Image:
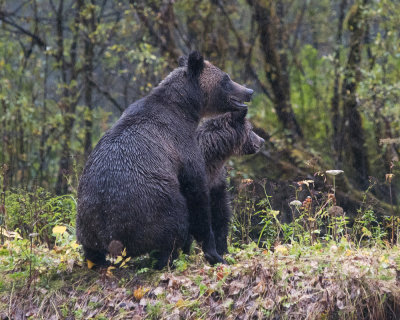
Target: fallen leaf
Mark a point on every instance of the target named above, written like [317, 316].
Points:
[348, 253]
[236, 286]
[143, 302]
[90, 264]
[109, 271]
[340, 304]
[268, 303]
[140, 292]
[157, 291]
[180, 303]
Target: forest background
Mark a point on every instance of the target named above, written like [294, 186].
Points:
[326, 75]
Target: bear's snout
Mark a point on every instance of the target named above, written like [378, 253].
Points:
[257, 143]
[241, 93]
[249, 93]
[261, 142]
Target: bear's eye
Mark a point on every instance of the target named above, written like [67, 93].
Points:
[226, 82]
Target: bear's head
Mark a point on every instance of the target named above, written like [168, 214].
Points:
[251, 143]
[221, 93]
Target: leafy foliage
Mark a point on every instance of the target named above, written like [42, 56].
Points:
[68, 69]
[297, 273]
[38, 213]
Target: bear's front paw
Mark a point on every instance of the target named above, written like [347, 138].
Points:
[214, 258]
[222, 246]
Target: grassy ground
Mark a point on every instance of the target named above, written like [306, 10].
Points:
[325, 281]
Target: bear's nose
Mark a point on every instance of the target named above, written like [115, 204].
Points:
[262, 141]
[249, 91]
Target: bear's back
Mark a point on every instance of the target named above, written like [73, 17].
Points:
[137, 157]
[130, 182]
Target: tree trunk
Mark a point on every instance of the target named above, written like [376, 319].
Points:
[160, 26]
[353, 141]
[90, 27]
[276, 67]
[68, 100]
[335, 102]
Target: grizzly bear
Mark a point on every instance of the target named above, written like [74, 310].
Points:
[220, 138]
[145, 182]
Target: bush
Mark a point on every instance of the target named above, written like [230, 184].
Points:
[37, 213]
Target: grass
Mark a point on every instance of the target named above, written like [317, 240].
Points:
[324, 281]
[318, 266]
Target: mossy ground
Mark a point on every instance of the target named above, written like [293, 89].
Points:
[324, 281]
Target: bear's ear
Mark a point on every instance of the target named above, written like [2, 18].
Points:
[238, 116]
[195, 64]
[182, 61]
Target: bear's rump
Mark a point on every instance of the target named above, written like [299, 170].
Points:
[161, 224]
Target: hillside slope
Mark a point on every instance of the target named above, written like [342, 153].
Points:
[332, 281]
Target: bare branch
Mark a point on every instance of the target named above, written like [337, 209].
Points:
[107, 95]
[40, 42]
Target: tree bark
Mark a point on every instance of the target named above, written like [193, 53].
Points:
[90, 26]
[68, 100]
[276, 66]
[353, 141]
[161, 27]
[335, 102]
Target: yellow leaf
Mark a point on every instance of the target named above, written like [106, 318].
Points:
[180, 303]
[348, 253]
[90, 264]
[74, 245]
[109, 271]
[282, 250]
[383, 259]
[59, 229]
[140, 292]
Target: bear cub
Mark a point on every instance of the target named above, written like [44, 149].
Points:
[220, 138]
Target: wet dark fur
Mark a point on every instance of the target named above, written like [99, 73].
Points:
[145, 183]
[220, 138]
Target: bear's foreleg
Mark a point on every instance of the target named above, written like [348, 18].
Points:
[221, 216]
[193, 187]
[164, 258]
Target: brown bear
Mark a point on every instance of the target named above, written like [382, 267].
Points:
[220, 138]
[145, 182]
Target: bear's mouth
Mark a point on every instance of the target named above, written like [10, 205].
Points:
[238, 103]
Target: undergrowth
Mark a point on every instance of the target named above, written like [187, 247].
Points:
[322, 264]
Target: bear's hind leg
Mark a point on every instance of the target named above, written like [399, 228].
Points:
[164, 258]
[97, 257]
[187, 246]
